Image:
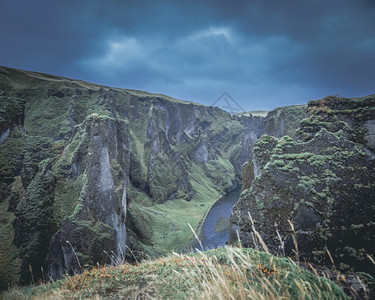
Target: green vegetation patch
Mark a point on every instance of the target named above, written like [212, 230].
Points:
[170, 222]
[67, 194]
[11, 112]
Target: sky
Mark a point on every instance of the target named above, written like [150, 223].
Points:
[263, 53]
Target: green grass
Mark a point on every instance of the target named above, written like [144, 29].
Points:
[226, 273]
[170, 220]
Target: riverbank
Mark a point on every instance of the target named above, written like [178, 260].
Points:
[213, 229]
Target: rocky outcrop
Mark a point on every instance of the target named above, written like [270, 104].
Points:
[82, 167]
[97, 227]
[284, 120]
[277, 123]
[12, 114]
[323, 181]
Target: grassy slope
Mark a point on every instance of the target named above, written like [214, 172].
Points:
[227, 273]
[170, 220]
[21, 79]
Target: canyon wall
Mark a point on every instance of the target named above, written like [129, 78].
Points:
[86, 171]
[322, 180]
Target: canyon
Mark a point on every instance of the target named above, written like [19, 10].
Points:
[94, 175]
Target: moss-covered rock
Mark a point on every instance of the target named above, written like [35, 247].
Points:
[284, 120]
[323, 181]
[34, 222]
[101, 204]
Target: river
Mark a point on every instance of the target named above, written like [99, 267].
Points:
[215, 227]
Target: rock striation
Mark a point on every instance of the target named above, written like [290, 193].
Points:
[322, 180]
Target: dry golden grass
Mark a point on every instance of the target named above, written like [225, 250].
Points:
[226, 273]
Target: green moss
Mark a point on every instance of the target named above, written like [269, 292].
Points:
[11, 112]
[260, 206]
[66, 198]
[11, 156]
[35, 221]
[265, 140]
[356, 226]
[45, 117]
[35, 150]
[82, 194]
[77, 209]
[166, 178]
[278, 162]
[289, 168]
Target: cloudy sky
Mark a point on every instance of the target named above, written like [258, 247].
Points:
[264, 53]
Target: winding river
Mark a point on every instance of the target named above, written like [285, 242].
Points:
[215, 226]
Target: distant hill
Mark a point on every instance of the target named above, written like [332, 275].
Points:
[256, 113]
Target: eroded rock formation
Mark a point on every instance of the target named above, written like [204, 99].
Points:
[323, 180]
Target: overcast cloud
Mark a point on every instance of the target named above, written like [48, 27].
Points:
[264, 53]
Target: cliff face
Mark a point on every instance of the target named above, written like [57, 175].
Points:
[98, 160]
[277, 123]
[284, 120]
[323, 180]
[86, 168]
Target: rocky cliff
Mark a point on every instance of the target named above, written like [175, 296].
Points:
[88, 172]
[284, 120]
[322, 180]
[277, 123]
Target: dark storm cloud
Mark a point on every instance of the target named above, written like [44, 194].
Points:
[265, 53]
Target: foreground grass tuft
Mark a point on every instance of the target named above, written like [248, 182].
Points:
[226, 273]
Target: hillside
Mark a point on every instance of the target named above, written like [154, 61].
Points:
[118, 167]
[227, 273]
